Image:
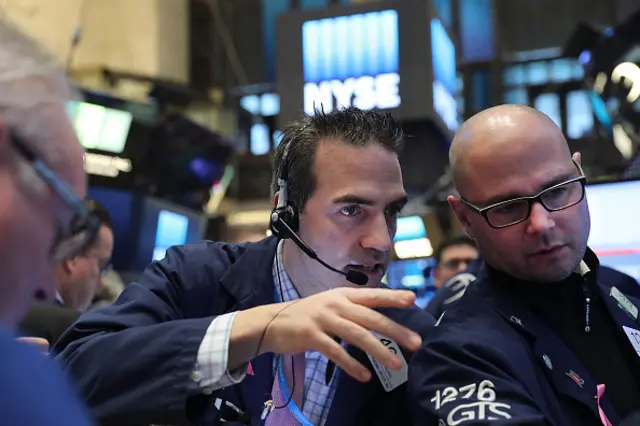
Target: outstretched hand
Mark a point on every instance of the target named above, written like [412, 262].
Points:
[312, 323]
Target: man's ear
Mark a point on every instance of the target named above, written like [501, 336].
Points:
[462, 213]
[577, 157]
[67, 266]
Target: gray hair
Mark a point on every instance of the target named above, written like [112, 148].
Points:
[30, 77]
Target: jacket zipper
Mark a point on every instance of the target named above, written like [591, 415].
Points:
[587, 305]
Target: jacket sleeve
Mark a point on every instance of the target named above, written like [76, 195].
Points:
[134, 362]
[455, 381]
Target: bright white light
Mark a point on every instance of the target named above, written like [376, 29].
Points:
[420, 247]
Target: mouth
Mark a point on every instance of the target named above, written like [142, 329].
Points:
[548, 251]
[375, 270]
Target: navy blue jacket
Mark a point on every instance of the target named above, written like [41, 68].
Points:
[452, 289]
[134, 361]
[33, 392]
[491, 360]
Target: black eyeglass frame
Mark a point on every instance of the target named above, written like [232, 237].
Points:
[538, 198]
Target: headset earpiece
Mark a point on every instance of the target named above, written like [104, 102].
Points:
[284, 211]
[285, 214]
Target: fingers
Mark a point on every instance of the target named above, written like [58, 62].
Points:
[41, 344]
[339, 355]
[375, 321]
[380, 297]
[362, 338]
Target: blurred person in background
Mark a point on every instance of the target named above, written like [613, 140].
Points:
[219, 333]
[541, 336]
[453, 256]
[79, 279]
[43, 220]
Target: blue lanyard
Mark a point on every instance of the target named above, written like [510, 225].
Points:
[284, 386]
[286, 393]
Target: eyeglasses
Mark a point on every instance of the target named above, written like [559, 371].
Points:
[511, 212]
[456, 262]
[85, 224]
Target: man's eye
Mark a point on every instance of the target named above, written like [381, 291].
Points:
[350, 210]
[394, 212]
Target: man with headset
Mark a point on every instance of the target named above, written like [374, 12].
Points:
[194, 340]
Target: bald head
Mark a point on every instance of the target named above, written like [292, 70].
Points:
[500, 135]
[502, 156]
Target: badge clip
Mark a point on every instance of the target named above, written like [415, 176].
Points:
[268, 408]
[625, 304]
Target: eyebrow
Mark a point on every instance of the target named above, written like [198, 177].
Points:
[355, 199]
[515, 194]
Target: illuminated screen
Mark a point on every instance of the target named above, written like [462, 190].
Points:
[171, 231]
[410, 228]
[615, 228]
[409, 274]
[443, 53]
[351, 61]
[100, 128]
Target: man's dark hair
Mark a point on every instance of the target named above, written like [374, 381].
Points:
[100, 211]
[461, 240]
[351, 126]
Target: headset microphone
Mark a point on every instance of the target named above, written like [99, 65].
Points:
[284, 222]
[355, 277]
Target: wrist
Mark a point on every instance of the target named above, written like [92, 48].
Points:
[248, 334]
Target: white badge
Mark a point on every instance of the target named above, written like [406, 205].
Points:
[634, 337]
[624, 303]
[389, 378]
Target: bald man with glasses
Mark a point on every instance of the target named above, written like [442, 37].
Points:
[539, 338]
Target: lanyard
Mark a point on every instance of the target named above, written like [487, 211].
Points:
[286, 393]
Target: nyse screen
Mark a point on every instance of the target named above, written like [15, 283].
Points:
[351, 61]
[356, 59]
[443, 53]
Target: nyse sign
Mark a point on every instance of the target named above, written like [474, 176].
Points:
[363, 92]
[351, 61]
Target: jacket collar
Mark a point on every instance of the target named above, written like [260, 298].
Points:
[588, 268]
[249, 279]
[560, 364]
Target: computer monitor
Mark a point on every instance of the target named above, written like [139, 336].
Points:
[99, 127]
[615, 228]
[408, 274]
[164, 225]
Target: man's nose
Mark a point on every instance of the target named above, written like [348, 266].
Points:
[540, 218]
[462, 265]
[378, 235]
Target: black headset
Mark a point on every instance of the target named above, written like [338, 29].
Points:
[284, 217]
[284, 222]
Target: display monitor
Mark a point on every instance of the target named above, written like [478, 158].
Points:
[163, 225]
[100, 128]
[409, 275]
[615, 228]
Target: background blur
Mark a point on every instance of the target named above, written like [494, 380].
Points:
[185, 99]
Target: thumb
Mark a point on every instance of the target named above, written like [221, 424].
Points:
[37, 342]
